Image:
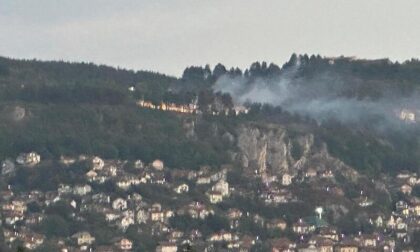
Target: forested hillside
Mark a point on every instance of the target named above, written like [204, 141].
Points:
[59, 108]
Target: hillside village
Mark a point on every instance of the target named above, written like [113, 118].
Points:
[95, 158]
[150, 207]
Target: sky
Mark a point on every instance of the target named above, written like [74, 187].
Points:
[169, 35]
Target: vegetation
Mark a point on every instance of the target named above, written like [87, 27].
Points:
[82, 108]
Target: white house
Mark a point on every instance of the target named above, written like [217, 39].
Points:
[98, 163]
[158, 164]
[119, 204]
[83, 238]
[222, 187]
[138, 164]
[286, 179]
[82, 189]
[182, 188]
[31, 158]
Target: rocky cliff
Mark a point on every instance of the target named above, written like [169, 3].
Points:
[270, 148]
[274, 149]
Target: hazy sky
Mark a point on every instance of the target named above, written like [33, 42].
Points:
[168, 35]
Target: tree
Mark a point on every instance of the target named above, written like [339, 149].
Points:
[55, 226]
[218, 71]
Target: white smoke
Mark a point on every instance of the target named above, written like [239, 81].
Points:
[324, 97]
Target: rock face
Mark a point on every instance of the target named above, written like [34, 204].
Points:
[270, 148]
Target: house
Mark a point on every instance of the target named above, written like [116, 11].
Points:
[222, 187]
[234, 214]
[82, 189]
[138, 164]
[30, 159]
[83, 238]
[159, 228]
[391, 223]
[324, 245]
[416, 209]
[327, 174]
[9, 236]
[307, 248]
[97, 163]
[119, 204]
[159, 178]
[282, 245]
[363, 201]
[368, 241]
[202, 180]
[169, 213]
[127, 181]
[51, 197]
[221, 175]
[182, 188]
[301, 227]
[221, 236]
[195, 234]
[198, 210]
[277, 224]
[157, 215]
[167, 247]
[240, 110]
[111, 215]
[412, 180]
[175, 235]
[378, 221]
[10, 218]
[19, 206]
[34, 219]
[279, 197]
[142, 216]
[33, 240]
[101, 198]
[246, 243]
[158, 165]
[91, 175]
[347, 245]
[286, 179]
[126, 221]
[215, 197]
[67, 160]
[329, 233]
[110, 170]
[406, 189]
[64, 189]
[401, 205]
[310, 173]
[124, 244]
[407, 115]
[73, 203]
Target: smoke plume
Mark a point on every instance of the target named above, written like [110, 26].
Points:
[323, 96]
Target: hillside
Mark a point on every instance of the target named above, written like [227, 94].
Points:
[219, 159]
[79, 108]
